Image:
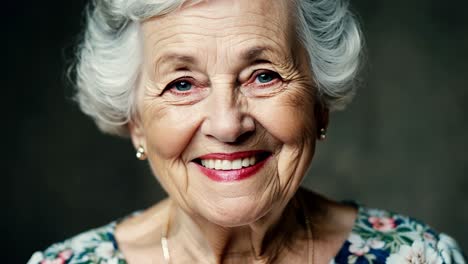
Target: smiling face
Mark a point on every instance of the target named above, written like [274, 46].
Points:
[226, 108]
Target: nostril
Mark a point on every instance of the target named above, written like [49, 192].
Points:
[228, 124]
[243, 137]
[227, 134]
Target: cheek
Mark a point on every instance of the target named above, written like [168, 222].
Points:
[289, 121]
[169, 131]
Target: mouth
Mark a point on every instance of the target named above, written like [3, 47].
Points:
[234, 161]
[232, 166]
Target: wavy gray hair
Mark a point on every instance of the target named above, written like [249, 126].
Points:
[108, 59]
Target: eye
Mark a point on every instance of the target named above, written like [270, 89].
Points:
[266, 77]
[263, 83]
[185, 89]
[182, 86]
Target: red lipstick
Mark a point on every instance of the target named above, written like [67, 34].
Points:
[234, 174]
[232, 156]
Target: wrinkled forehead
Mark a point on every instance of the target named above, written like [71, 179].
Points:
[274, 10]
[262, 22]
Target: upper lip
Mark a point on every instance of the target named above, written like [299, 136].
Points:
[233, 155]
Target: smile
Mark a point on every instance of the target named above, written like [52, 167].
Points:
[227, 167]
[227, 164]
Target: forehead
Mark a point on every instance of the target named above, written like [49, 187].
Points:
[221, 24]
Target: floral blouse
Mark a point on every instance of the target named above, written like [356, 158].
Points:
[377, 237]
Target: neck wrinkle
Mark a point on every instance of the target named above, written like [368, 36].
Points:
[202, 239]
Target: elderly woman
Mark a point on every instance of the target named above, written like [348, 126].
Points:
[226, 100]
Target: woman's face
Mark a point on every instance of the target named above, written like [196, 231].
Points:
[226, 108]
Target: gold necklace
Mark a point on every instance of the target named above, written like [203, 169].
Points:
[164, 242]
[310, 239]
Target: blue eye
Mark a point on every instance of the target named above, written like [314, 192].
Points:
[183, 86]
[265, 77]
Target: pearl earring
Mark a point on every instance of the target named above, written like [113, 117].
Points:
[323, 134]
[141, 154]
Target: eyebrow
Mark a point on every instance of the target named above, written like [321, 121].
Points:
[249, 55]
[179, 58]
[254, 53]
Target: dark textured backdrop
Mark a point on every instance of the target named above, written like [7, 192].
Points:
[401, 145]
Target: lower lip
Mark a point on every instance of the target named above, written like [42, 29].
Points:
[232, 175]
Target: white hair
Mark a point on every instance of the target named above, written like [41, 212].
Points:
[109, 57]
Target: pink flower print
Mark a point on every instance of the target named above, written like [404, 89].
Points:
[55, 261]
[383, 224]
[62, 258]
[66, 254]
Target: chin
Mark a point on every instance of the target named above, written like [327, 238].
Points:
[235, 212]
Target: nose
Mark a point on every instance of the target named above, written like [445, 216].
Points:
[226, 116]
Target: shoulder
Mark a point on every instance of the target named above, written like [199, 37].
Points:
[94, 246]
[379, 236]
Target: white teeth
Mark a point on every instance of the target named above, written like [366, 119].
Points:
[236, 164]
[245, 162]
[218, 164]
[226, 165]
[229, 164]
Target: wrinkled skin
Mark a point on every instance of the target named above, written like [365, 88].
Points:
[221, 77]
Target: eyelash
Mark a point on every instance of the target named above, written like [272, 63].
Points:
[253, 78]
[171, 86]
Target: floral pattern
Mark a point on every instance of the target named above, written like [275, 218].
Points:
[377, 237]
[94, 246]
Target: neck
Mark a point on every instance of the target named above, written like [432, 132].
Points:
[264, 239]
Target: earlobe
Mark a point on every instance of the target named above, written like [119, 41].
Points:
[325, 117]
[136, 134]
[322, 117]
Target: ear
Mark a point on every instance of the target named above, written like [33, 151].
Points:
[322, 117]
[137, 134]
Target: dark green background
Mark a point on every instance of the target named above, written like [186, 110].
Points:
[402, 145]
